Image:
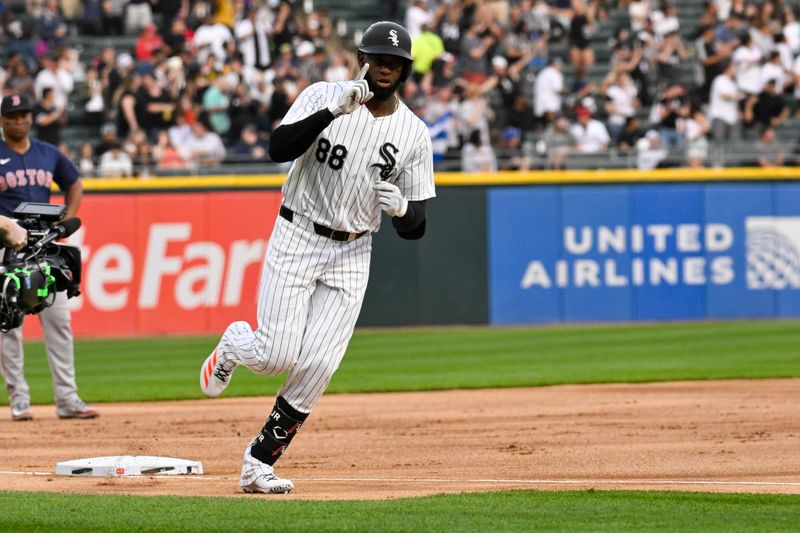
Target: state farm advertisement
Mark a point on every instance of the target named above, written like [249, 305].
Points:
[177, 263]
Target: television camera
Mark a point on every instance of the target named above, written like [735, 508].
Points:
[31, 277]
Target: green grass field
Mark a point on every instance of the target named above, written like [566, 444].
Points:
[437, 359]
[493, 512]
[432, 359]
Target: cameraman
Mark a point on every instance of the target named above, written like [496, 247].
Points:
[27, 169]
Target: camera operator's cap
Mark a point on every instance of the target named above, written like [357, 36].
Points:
[15, 102]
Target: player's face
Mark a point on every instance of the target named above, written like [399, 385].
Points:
[17, 125]
[383, 76]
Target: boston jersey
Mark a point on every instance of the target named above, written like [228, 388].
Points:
[331, 183]
[29, 177]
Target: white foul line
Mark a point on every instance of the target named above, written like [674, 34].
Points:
[475, 481]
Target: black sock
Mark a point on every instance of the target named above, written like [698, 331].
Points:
[278, 431]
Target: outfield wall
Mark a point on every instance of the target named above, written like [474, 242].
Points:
[183, 256]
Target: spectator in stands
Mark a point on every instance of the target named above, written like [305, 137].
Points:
[149, 41]
[285, 26]
[115, 163]
[762, 27]
[791, 30]
[113, 16]
[204, 147]
[124, 102]
[310, 65]
[650, 153]
[154, 107]
[768, 152]
[48, 118]
[181, 131]
[474, 114]
[591, 135]
[108, 137]
[769, 109]
[175, 36]
[475, 47]
[19, 79]
[665, 19]
[508, 83]
[773, 70]
[215, 39]
[95, 104]
[448, 27]
[477, 155]
[582, 26]
[443, 73]
[671, 108]
[138, 15]
[622, 101]
[785, 54]
[628, 55]
[630, 134]
[166, 155]
[339, 68]
[53, 76]
[417, 16]
[116, 67]
[50, 28]
[639, 13]
[85, 162]
[241, 110]
[317, 29]
[514, 154]
[92, 18]
[144, 163]
[723, 107]
[695, 128]
[747, 58]
[671, 54]
[425, 49]
[560, 13]
[440, 117]
[215, 105]
[249, 148]
[20, 25]
[252, 34]
[548, 91]
[713, 54]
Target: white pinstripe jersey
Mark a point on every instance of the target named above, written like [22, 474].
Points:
[331, 183]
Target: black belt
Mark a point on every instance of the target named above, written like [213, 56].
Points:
[325, 231]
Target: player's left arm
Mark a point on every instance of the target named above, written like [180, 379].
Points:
[407, 206]
[67, 177]
[72, 198]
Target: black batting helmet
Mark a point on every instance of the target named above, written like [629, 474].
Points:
[390, 38]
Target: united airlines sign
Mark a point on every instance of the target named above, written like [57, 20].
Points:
[624, 263]
[644, 252]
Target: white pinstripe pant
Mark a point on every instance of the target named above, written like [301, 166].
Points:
[310, 296]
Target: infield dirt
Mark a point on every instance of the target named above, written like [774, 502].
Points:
[725, 436]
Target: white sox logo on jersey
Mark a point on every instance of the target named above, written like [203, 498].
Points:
[393, 37]
[387, 153]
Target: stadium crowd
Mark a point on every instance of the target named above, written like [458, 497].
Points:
[502, 85]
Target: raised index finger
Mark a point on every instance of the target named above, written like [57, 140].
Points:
[362, 72]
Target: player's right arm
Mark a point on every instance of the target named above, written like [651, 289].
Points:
[306, 118]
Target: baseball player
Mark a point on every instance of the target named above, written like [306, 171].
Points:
[358, 151]
[28, 168]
